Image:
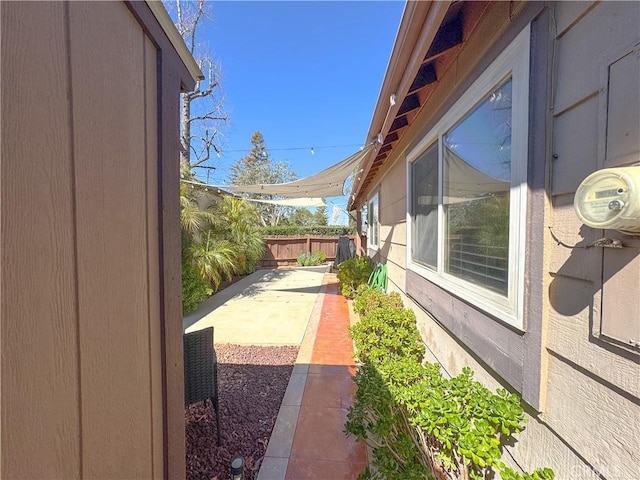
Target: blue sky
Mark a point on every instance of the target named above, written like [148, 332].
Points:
[306, 74]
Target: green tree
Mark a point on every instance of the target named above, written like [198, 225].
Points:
[321, 217]
[305, 217]
[258, 167]
[301, 216]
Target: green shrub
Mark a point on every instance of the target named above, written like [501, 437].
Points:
[195, 289]
[368, 298]
[417, 421]
[352, 273]
[316, 230]
[385, 333]
[311, 259]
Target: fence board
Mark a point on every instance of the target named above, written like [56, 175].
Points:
[284, 250]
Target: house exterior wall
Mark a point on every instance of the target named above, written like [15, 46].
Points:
[582, 391]
[91, 373]
[593, 385]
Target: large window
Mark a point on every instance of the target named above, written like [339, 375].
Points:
[467, 182]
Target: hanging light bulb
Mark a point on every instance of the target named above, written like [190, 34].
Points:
[312, 152]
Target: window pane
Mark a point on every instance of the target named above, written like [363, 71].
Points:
[376, 220]
[424, 208]
[374, 224]
[476, 183]
[364, 218]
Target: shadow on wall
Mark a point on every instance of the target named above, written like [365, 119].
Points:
[569, 295]
[383, 252]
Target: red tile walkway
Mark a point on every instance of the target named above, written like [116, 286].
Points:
[320, 449]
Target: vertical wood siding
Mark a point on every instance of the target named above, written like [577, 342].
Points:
[109, 148]
[82, 335]
[39, 371]
[153, 252]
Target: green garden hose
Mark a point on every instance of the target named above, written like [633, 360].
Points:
[378, 278]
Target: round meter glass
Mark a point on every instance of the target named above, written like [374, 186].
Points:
[601, 199]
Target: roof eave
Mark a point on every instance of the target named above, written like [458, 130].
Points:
[169, 28]
[418, 27]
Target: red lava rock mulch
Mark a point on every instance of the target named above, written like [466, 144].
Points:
[251, 382]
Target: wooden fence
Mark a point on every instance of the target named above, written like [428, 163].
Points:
[284, 250]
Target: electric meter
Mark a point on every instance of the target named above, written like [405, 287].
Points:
[610, 199]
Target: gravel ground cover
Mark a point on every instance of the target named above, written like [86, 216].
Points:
[251, 382]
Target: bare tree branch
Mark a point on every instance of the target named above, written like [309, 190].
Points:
[201, 93]
[208, 116]
[202, 112]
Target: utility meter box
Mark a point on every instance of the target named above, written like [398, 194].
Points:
[610, 199]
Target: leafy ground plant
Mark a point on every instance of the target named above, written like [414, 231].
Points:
[311, 259]
[195, 289]
[420, 423]
[368, 298]
[353, 273]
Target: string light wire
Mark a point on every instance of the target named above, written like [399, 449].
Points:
[286, 149]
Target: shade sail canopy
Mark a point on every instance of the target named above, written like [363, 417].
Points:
[465, 182]
[328, 183]
[293, 202]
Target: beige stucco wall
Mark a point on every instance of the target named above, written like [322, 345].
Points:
[590, 408]
[81, 371]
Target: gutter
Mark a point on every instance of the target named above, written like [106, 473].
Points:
[418, 27]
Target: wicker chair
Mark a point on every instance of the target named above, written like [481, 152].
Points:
[201, 371]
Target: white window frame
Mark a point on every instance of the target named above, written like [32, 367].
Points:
[512, 62]
[373, 222]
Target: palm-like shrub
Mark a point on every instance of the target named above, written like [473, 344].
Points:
[238, 222]
[206, 261]
[193, 219]
[215, 260]
[217, 242]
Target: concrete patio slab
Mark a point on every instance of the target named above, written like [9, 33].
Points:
[268, 307]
